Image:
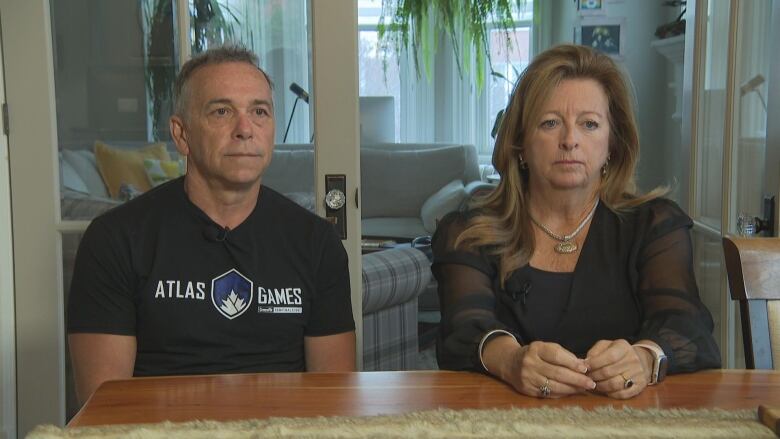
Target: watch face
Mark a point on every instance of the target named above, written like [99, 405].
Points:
[663, 364]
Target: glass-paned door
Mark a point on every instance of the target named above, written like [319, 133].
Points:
[731, 149]
[748, 167]
[752, 57]
[114, 67]
[712, 20]
[278, 32]
[426, 147]
[114, 70]
[114, 81]
[88, 88]
[7, 320]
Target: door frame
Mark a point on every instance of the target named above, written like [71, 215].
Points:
[772, 179]
[34, 177]
[7, 314]
[334, 35]
[730, 334]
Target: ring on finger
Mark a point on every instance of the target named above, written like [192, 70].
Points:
[627, 382]
[544, 389]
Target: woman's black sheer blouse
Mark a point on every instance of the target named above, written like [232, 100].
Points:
[634, 280]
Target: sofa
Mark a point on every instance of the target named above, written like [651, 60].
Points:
[406, 187]
[392, 281]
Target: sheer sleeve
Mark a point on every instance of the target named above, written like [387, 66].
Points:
[468, 302]
[674, 316]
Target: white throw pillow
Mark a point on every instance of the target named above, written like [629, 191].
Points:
[445, 200]
[83, 162]
[70, 179]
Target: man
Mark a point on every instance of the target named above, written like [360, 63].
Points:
[212, 272]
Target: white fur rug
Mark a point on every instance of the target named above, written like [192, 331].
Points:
[494, 424]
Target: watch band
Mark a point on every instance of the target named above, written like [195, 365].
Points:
[487, 337]
[659, 362]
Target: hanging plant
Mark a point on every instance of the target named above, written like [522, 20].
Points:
[414, 25]
[213, 23]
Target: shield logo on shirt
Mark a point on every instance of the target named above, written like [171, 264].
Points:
[231, 293]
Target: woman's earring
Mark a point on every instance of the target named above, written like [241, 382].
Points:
[604, 168]
[523, 164]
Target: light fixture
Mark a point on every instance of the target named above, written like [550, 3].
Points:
[300, 94]
[752, 85]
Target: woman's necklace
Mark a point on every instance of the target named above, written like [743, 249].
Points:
[566, 245]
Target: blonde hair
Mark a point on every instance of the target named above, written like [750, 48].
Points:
[502, 224]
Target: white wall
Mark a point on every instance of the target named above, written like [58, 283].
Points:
[650, 74]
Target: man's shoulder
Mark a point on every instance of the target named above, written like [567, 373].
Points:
[289, 212]
[295, 225]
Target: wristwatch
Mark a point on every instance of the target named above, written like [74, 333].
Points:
[659, 364]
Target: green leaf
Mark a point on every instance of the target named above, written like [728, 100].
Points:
[414, 27]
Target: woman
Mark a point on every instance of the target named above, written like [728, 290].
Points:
[565, 279]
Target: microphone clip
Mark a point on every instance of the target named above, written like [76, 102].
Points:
[522, 292]
[216, 234]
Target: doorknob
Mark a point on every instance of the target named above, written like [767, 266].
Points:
[336, 202]
[748, 225]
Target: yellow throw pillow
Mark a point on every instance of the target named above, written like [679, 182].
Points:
[120, 166]
[160, 171]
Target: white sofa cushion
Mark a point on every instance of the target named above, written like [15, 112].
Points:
[397, 183]
[70, 179]
[83, 162]
[445, 200]
[291, 170]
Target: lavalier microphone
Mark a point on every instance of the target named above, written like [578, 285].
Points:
[523, 292]
[214, 233]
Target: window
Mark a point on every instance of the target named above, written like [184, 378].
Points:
[378, 68]
[445, 107]
[278, 33]
[508, 61]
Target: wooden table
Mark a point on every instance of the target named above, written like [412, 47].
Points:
[231, 397]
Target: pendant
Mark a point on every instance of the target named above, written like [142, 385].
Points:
[566, 247]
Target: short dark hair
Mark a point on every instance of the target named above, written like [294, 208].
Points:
[216, 55]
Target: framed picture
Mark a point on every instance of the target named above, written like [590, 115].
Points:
[591, 7]
[606, 35]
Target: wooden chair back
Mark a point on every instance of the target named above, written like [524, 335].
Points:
[753, 268]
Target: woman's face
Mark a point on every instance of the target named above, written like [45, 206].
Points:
[570, 143]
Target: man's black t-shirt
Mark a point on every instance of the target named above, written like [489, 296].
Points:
[202, 300]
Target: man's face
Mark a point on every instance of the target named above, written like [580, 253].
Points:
[227, 131]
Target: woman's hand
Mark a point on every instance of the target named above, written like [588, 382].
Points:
[529, 368]
[619, 369]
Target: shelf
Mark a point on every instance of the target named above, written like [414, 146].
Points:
[672, 48]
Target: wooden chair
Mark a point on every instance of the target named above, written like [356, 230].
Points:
[753, 267]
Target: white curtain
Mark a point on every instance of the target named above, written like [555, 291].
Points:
[278, 33]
